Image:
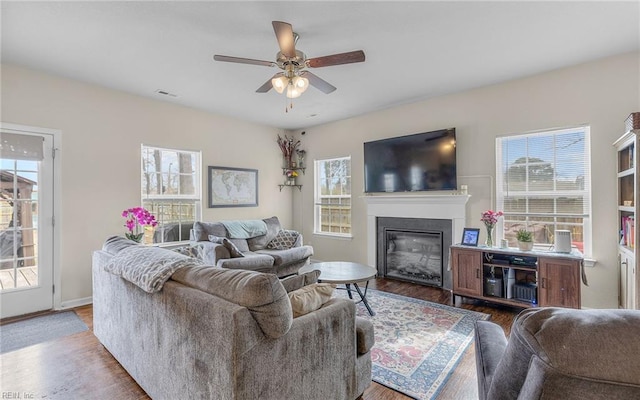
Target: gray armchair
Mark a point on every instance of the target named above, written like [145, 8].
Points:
[559, 353]
[256, 255]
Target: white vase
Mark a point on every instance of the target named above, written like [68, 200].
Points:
[525, 246]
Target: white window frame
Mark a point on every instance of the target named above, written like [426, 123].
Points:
[196, 198]
[317, 211]
[587, 191]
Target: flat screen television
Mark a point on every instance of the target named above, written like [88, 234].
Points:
[412, 163]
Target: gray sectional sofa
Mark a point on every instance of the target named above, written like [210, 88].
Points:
[254, 248]
[560, 353]
[186, 330]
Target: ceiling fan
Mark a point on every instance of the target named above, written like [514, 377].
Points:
[294, 78]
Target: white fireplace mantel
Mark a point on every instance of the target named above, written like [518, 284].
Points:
[436, 206]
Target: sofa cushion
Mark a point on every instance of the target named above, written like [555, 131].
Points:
[262, 294]
[282, 257]
[202, 230]
[260, 242]
[547, 383]
[295, 282]
[285, 239]
[310, 298]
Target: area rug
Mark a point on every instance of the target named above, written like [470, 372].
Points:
[418, 343]
[28, 332]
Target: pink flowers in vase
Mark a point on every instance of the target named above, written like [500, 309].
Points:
[490, 218]
[137, 219]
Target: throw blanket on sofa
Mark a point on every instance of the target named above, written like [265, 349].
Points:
[246, 228]
[148, 267]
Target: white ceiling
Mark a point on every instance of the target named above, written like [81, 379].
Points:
[414, 50]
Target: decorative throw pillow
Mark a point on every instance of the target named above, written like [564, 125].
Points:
[190, 251]
[233, 249]
[295, 282]
[215, 239]
[310, 298]
[285, 239]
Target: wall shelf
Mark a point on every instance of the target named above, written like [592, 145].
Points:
[298, 186]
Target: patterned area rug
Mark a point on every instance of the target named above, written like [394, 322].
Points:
[418, 343]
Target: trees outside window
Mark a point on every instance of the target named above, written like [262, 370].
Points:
[171, 191]
[333, 196]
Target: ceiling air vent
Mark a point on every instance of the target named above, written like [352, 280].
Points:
[165, 93]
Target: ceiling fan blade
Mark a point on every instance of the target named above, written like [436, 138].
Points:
[337, 59]
[284, 34]
[318, 82]
[241, 60]
[267, 85]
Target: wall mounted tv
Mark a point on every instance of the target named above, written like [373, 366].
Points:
[412, 163]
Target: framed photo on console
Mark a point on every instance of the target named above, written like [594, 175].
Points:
[470, 236]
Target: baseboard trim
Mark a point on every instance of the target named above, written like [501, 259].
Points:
[75, 303]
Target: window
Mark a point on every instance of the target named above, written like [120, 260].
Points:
[544, 184]
[333, 196]
[171, 191]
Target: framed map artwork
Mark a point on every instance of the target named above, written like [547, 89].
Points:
[233, 187]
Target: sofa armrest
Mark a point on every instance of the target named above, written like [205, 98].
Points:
[364, 335]
[212, 252]
[491, 343]
[251, 262]
[320, 345]
[299, 241]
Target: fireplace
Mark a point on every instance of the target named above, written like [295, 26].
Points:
[421, 215]
[413, 249]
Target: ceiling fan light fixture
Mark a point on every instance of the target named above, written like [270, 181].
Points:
[280, 83]
[300, 83]
[293, 92]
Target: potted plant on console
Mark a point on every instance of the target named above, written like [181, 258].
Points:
[525, 239]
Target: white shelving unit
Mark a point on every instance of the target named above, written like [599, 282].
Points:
[629, 279]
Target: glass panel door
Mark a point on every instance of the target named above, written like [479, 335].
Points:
[26, 231]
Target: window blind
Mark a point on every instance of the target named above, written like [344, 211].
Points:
[543, 184]
[21, 147]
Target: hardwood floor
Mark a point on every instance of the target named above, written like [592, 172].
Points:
[79, 367]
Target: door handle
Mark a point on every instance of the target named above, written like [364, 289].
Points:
[478, 273]
[544, 283]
